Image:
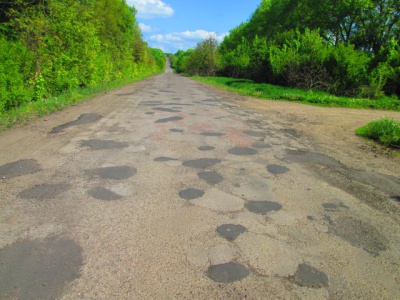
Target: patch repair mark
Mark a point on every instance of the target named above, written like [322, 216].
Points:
[358, 233]
[308, 276]
[263, 207]
[44, 191]
[38, 269]
[82, 119]
[117, 173]
[191, 193]
[228, 272]
[97, 144]
[201, 163]
[231, 231]
[170, 119]
[242, 151]
[102, 193]
[19, 168]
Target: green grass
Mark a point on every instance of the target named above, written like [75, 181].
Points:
[34, 110]
[318, 98]
[385, 131]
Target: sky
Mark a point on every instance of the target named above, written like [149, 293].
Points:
[173, 25]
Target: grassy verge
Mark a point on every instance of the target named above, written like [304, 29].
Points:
[385, 131]
[318, 98]
[34, 110]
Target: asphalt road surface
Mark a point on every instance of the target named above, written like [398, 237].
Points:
[165, 189]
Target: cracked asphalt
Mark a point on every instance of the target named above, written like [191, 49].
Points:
[166, 189]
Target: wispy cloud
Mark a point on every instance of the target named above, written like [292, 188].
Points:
[149, 9]
[183, 40]
[146, 28]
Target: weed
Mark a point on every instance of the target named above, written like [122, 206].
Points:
[385, 130]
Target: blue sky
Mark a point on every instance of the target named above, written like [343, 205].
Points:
[173, 25]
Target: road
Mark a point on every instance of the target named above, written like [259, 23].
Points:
[166, 189]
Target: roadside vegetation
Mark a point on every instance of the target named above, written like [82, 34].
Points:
[56, 52]
[385, 131]
[314, 97]
[349, 49]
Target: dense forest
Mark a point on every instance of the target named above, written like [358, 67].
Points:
[48, 47]
[345, 47]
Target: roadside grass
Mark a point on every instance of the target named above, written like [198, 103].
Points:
[317, 98]
[31, 111]
[385, 131]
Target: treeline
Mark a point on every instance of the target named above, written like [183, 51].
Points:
[346, 47]
[48, 47]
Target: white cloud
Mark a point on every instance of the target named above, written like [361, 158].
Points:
[175, 41]
[148, 9]
[146, 28]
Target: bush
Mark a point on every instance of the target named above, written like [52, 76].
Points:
[385, 131]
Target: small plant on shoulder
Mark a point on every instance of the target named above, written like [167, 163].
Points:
[384, 130]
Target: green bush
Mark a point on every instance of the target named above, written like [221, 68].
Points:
[385, 131]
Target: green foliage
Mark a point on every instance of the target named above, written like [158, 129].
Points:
[179, 62]
[345, 47]
[202, 61]
[49, 47]
[385, 131]
[319, 98]
[32, 110]
[15, 71]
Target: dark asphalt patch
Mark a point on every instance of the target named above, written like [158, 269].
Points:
[358, 233]
[201, 163]
[261, 146]
[177, 104]
[242, 151]
[308, 276]
[83, 119]
[277, 169]
[151, 103]
[231, 231]
[44, 191]
[38, 269]
[312, 158]
[212, 134]
[117, 173]
[177, 130]
[166, 109]
[171, 119]
[254, 133]
[333, 207]
[96, 144]
[103, 194]
[209, 100]
[263, 207]
[291, 132]
[191, 193]
[210, 177]
[164, 158]
[19, 168]
[228, 272]
[206, 148]
[386, 183]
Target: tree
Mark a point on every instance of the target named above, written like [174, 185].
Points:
[202, 61]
